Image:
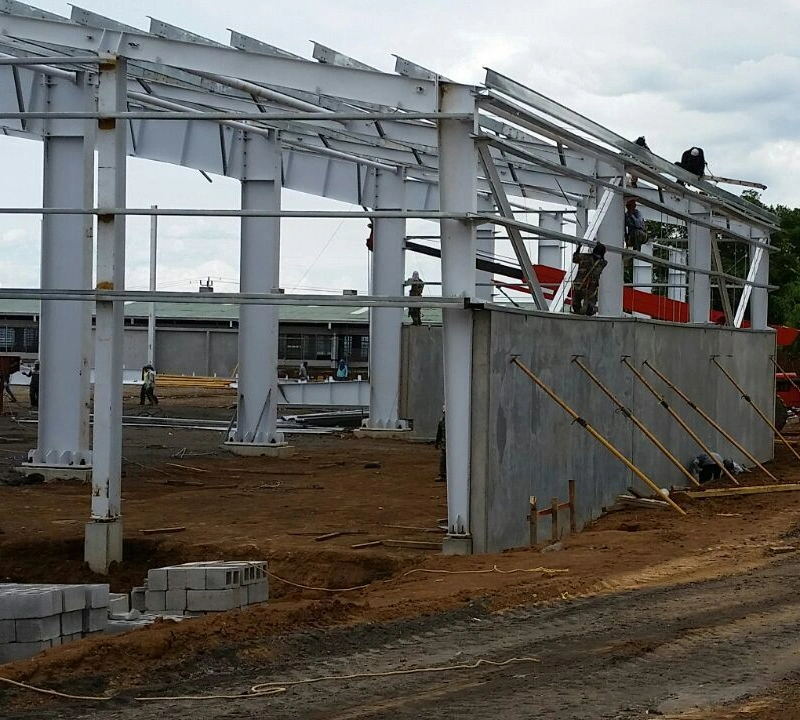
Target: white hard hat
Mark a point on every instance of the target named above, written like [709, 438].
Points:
[695, 152]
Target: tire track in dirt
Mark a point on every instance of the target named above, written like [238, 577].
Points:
[619, 656]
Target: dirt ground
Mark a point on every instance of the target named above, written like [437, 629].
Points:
[647, 603]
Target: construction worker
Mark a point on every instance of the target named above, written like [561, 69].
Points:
[708, 468]
[441, 444]
[635, 227]
[342, 371]
[302, 374]
[33, 388]
[7, 387]
[417, 286]
[148, 386]
[587, 279]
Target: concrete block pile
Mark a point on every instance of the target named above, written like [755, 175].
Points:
[36, 617]
[202, 587]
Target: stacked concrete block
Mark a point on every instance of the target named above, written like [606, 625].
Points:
[202, 587]
[36, 617]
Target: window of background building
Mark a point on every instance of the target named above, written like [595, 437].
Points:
[7, 337]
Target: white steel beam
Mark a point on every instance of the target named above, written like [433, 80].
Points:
[385, 324]
[699, 282]
[612, 234]
[759, 298]
[645, 160]
[643, 269]
[676, 289]
[754, 274]
[104, 532]
[329, 56]
[259, 272]
[485, 243]
[515, 236]
[380, 88]
[458, 193]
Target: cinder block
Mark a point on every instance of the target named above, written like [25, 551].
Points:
[97, 596]
[212, 600]
[257, 592]
[176, 600]
[177, 578]
[56, 641]
[157, 579]
[73, 597]
[72, 622]
[196, 578]
[29, 601]
[118, 604]
[36, 629]
[21, 650]
[71, 638]
[155, 600]
[222, 578]
[95, 619]
[138, 599]
[7, 631]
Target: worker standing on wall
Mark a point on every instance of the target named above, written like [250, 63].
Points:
[635, 227]
[417, 285]
[587, 279]
[148, 386]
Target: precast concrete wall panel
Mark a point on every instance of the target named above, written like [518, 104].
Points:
[181, 353]
[422, 378]
[525, 445]
[223, 352]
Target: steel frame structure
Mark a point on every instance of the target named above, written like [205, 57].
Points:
[406, 145]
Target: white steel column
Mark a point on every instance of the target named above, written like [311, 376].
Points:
[66, 263]
[643, 270]
[677, 278]
[151, 315]
[699, 283]
[612, 234]
[550, 252]
[104, 533]
[458, 159]
[255, 432]
[759, 297]
[385, 324]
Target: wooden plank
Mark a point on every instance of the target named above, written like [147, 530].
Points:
[742, 490]
[573, 522]
[554, 521]
[414, 527]
[633, 491]
[187, 467]
[412, 544]
[160, 531]
[629, 501]
[371, 543]
[338, 533]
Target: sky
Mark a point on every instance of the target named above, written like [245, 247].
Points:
[721, 74]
